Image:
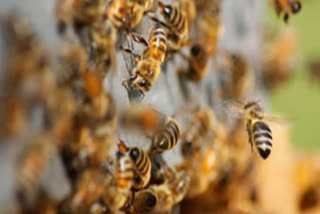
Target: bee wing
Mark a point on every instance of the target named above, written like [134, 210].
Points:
[128, 58]
[279, 121]
[233, 109]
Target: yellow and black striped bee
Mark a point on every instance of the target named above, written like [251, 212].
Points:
[168, 137]
[141, 162]
[260, 135]
[177, 24]
[148, 65]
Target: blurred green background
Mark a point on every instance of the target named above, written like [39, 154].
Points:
[299, 98]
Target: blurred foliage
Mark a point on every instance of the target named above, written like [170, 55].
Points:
[299, 98]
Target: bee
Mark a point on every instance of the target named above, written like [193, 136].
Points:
[78, 14]
[73, 63]
[197, 63]
[314, 71]
[144, 201]
[31, 166]
[200, 125]
[116, 195]
[210, 16]
[98, 108]
[287, 7]
[277, 62]
[172, 191]
[127, 14]
[259, 133]
[102, 44]
[148, 65]
[240, 79]
[142, 165]
[167, 138]
[177, 24]
[143, 117]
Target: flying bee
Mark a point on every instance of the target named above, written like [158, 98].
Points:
[200, 125]
[142, 164]
[168, 137]
[314, 71]
[78, 13]
[277, 62]
[177, 24]
[259, 133]
[144, 201]
[197, 63]
[287, 7]
[32, 165]
[148, 65]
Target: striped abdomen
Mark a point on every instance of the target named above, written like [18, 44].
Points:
[158, 44]
[176, 19]
[142, 165]
[262, 138]
[168, 137]
[124, 171]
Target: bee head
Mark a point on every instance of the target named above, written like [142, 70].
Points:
[254, 110]
[134, 153]
[295, 6]
[139, 83]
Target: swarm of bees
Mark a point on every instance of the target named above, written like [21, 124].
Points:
[79, 120]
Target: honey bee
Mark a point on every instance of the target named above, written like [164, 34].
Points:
[117, 195]
[127, 14]
[171, 192]
[279, 52]
[32, 165]
[315, 70]
[144, 201]
[197, 63]
[210, 16]
[74, 63]
[287, 7]
[143, 117]
[102, 47]
[240, 79]
[259, 133]
[177, 24]
[167, 138]
[197, 129]
[148, 63]
[78, 14]
[142, 165]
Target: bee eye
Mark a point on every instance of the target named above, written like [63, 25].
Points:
[195, 50]
[295, 7]
[167, 10]
[134, 153]
[133, 77]
[143, 83]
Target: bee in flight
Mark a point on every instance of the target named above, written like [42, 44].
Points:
[259, 132]
[286, 6]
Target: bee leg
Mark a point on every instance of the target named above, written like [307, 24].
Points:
[155, 19]
[130, 51]
[139, 39]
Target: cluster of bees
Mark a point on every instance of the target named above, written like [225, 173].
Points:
[77, 119]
